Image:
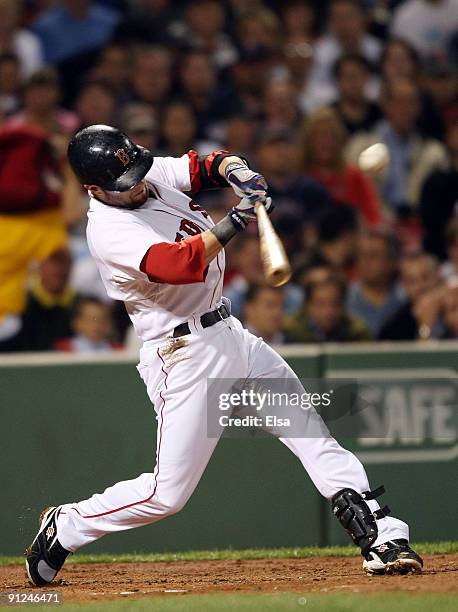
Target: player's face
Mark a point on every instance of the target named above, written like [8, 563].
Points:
[133, 198]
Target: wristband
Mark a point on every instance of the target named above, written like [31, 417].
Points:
[234, 166]
[229, 226]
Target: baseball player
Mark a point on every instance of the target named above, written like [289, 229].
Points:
[161, 253]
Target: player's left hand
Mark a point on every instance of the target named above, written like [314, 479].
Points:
[246, 207]
[245, 182]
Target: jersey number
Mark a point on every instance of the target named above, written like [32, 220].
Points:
[188, 227]
[196, 207]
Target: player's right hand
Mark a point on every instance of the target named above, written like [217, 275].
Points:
[246, 207]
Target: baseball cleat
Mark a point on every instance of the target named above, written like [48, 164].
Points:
[392, 557]
[45, 556]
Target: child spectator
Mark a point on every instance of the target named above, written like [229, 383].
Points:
[264, 312]
[49, 306]
[92, 324]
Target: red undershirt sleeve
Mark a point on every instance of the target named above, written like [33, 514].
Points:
[176, 263]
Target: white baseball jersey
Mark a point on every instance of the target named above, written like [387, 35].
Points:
[119, 239]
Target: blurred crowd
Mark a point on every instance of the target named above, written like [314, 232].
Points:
[300, 88]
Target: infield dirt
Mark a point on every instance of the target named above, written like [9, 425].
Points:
[103, 582]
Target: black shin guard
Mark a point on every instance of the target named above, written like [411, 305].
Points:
[356, 517]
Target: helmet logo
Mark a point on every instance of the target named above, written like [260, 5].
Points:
[123, 157]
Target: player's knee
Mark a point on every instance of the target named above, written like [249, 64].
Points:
[173, 505]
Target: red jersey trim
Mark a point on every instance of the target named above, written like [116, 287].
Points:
[195, 171]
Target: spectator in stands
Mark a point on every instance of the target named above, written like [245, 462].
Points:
[113, 67]
[280, 109]
[74, 27]
[16, 40]
[441, 81]
[253, 67]
[336, 240]
[258, 28]
[96, 104]
[315, 273]
[353, 106]
[418, 318]
[346, 33]
[297, 61]
[249, 271]
[264, 312]
[293, 193]
[92, 325]
[299, 21]
[427, 25]
[412, 157]
[240, 134]
[151, 76]
[210, 101]
[50, 303]
[179, 129]
[449, 311]
[324, 318]
[139, 123]
[322, 142]
[204, 23]
[41, 106]
[449, 268]
[375, 296]
[439, 197]
[401, 61]
[10, 84]
[31, 223]
[150, 22]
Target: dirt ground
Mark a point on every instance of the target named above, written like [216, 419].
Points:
[102, 582]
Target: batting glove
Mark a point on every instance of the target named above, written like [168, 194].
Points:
[246, 207]
[246, 183]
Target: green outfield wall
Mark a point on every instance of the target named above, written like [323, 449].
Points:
[73, 426]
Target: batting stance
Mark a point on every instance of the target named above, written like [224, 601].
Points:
[162, 254]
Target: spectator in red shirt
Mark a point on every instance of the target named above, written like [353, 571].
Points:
[321, 156]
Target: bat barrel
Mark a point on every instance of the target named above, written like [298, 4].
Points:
[277, 269]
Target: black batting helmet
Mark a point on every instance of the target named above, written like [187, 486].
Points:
[102, 155]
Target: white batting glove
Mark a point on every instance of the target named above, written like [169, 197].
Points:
[246, 207]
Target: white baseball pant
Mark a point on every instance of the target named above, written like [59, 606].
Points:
[176, 382]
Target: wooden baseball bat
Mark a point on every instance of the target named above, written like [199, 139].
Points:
[277, 269]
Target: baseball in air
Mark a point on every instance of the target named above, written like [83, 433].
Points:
[375, 158]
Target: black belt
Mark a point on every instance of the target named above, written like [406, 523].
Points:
[207, 320]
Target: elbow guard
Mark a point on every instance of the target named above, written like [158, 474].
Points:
[204, 170]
